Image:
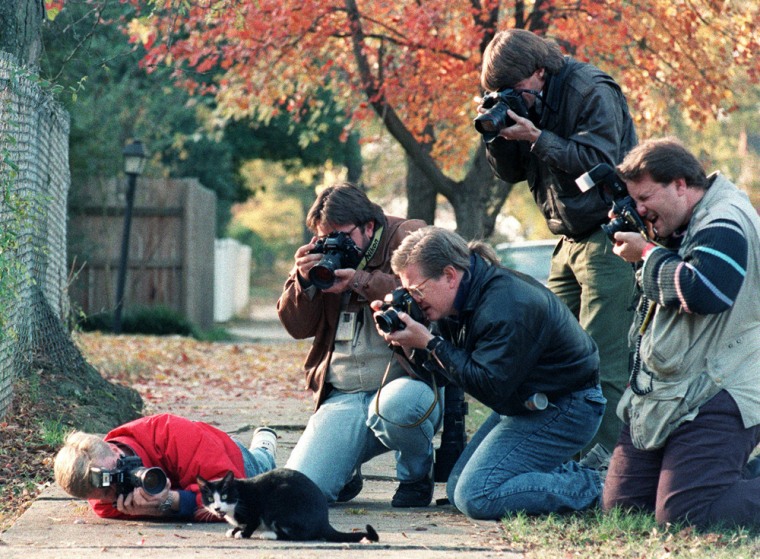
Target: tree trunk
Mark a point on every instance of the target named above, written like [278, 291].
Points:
[21, 29]
[420, 194]
[478, 199]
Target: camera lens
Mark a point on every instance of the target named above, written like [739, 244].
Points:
[322, 275]
[389, 321]
[153, 480]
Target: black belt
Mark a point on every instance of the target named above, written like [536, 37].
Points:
[591, 383]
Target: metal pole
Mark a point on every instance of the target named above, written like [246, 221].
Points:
[124, 253]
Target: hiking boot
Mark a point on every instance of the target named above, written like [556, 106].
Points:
[352, 488]
[265, 438]
[414, 493]
[598, 458]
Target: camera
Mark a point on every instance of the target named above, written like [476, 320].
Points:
[495, 118]
[339, 251]
[398, 300]
[453, 435]
[623, 206]
[129, 474]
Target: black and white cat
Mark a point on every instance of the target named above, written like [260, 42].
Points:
[286, 502]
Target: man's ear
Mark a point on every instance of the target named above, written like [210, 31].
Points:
[450, 273]
[369, 228]
[681, 186]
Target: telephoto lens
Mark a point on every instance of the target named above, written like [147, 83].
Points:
[153, 480]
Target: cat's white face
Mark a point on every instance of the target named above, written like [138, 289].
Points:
[221, 508]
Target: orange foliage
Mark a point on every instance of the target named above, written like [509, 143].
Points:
[422, 59]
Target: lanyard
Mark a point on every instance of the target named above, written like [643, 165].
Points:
[371, 249]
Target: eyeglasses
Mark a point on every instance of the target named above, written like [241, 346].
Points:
[348, 233]
[416, 290]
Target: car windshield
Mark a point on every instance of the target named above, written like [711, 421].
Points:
[532, 258]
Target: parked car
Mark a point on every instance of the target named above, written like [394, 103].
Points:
[529, 257]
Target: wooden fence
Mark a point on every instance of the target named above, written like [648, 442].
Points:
[171, 248]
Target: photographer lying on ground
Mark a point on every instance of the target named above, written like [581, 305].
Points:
[512, 344]
[692, 410]
[111, 472]
[344, 267]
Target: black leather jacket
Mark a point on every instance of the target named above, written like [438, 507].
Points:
[584, 121]
[512, 338]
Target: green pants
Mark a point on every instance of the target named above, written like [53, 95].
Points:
[598, 287]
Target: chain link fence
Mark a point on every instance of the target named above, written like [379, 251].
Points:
[34, 185]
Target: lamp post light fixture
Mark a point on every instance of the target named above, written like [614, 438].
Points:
[134, 163]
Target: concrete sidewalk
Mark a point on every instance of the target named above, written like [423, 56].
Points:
[56, 526]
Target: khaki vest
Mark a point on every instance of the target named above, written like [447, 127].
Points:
[692, 357]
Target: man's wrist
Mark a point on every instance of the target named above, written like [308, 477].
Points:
[647, 249]
[167, 506]
[433, 344]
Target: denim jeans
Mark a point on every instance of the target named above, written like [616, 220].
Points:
[345, 432]
[256, 461]
[522, 462]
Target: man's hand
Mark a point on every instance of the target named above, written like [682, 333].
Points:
[414, 336]
[522, 129]
[141, 503]
[306, 261]
[343, 279]
[629, 245]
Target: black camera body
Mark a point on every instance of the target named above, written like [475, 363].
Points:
[129, 474]
[495, 118]
[398, 300]
[340, 251]
[623, 206]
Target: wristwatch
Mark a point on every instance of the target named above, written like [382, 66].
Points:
[166, 506]
[433, 344]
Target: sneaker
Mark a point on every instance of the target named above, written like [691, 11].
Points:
[598, 458]
[414, 493]
[352, 488]
[265, 438]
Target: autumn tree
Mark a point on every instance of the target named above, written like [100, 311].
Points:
[415, 65]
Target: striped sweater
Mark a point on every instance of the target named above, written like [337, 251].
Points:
[706, 279]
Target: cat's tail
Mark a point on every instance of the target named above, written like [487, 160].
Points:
[334, 536]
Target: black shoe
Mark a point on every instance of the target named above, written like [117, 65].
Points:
[414, 493]
[352, 488]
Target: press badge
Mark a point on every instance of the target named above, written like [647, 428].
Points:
[346, 327]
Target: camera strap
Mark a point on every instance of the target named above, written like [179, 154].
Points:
[410, 371]
[371, 249]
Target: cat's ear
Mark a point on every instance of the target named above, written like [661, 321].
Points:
[201, 482]
[229, 476]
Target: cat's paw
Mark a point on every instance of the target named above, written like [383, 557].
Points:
[234, 533]
[268, 535]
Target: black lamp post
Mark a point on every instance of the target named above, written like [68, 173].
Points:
[134, 162]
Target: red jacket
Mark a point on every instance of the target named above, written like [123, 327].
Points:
[183, 449]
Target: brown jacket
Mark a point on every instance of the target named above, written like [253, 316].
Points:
[309, 312]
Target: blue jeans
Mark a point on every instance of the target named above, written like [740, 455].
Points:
[256, 461]
[522, 462]
[345, 432]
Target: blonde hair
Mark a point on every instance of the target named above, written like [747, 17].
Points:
[72, 465]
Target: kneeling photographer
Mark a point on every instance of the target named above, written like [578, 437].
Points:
[336, 275]
[148, 467]
[513, 345]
